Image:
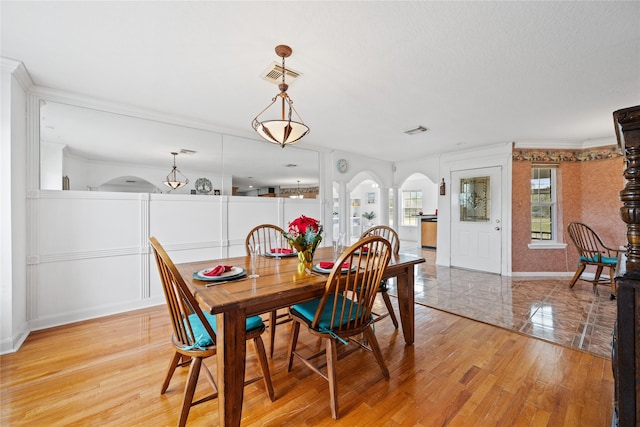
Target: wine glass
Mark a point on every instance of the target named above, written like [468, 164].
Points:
[254, 252]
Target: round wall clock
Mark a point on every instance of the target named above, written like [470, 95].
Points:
[342, 165]
[203, 186]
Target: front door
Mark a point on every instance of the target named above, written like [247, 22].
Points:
[476, 228]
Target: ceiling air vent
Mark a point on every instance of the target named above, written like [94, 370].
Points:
[273, 74]
[186, 151]
[416, 131]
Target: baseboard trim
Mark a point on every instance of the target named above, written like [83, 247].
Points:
[11, 345]
[542, 274]
[95, 312]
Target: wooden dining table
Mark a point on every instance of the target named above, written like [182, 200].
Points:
[280, 284]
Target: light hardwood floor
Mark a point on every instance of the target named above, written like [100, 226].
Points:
[459, 372]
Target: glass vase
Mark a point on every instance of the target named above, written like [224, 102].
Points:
[305, 259]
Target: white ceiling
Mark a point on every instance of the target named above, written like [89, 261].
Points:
[474, 73]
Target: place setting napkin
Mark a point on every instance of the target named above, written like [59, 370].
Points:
[218, 270]
[283, 251]
[328, 265]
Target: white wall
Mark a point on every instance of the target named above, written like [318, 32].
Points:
[13, 183]
[77, 169]
[51, 161]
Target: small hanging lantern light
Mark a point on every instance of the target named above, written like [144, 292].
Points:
[175, 179]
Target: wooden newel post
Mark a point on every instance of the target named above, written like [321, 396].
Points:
[627, 126]
[626, 345]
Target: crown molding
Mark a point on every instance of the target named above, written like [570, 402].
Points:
[17, 70]
[566, 145]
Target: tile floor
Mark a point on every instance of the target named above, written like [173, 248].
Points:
[540, 307]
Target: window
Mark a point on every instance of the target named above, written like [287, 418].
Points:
[543, 204]
[475, 199]
[391, 207]
[411, 205]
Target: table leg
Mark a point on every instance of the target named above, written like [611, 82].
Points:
[405, 284]
[231, 357]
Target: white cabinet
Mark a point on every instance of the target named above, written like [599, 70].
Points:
[355, 225]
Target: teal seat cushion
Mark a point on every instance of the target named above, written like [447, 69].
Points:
[202, 338]
[600, 259]
[307, 310]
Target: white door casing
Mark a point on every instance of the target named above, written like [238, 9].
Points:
[476, 223]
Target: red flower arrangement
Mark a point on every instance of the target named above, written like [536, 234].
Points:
[304, 233]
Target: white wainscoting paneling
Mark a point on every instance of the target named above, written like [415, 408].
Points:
[91, 255]
[87, 260]
[247, 212]
[186, 221]
[80, 224]
[72, 288]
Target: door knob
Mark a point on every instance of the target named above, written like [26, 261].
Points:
[498, 228]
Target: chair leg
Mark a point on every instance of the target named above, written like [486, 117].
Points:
[273, 316]
[264, 366]
[392, 314]
[375, 348]
[598, 274]
[293, 342]
[332, 359]
[175, 361]
[190, 389]
[596, 279]
[576, 276]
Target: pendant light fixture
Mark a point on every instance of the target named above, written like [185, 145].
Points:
[283, 130]
[175, 179]
[298, 194]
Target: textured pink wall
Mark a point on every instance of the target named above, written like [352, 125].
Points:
[603, 215]
[588, 193]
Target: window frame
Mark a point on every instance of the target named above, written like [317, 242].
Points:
[552, 204]
[410, 220]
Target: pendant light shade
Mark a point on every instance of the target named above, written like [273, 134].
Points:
[175, 179]
[283, 129]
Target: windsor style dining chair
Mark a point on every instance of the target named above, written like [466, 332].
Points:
[194, 335]
[343, 312]
[593, 252]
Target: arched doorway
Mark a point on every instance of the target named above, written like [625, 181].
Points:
[417, 195]
[128, 184]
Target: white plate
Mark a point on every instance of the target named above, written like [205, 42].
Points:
[363, 253]
[234, 273]
[319, 269]
[273, 254]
